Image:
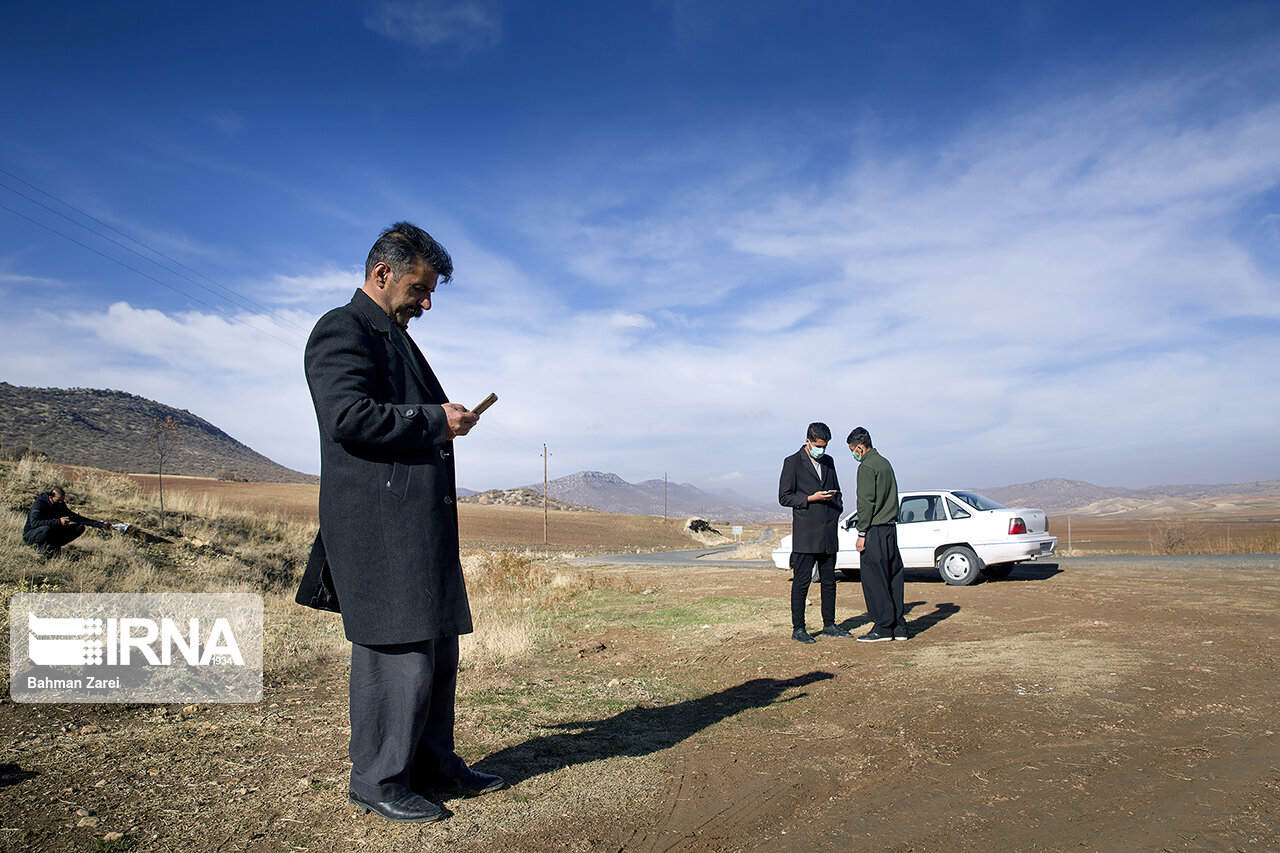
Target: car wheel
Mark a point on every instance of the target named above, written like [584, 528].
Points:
[959, 566]
[998, 572]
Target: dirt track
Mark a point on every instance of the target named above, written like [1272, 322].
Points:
[1089, 705]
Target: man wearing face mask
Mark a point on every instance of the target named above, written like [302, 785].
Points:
[809, 486]
[878, 541]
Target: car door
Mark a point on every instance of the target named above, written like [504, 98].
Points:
[921, 526]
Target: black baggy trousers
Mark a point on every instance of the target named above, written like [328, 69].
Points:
[402, 718]
[882, 578]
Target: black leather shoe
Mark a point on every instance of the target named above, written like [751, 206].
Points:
[476, 783]
[800, 635]
[411, 808]
[835, 631]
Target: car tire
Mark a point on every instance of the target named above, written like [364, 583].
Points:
[997, 572]
[959, 566]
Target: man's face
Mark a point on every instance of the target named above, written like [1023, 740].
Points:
[410, 294]
[816, 447]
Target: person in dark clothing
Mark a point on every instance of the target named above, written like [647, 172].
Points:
[881, 561]
[52, 524]
[810, 487]
[386, 556]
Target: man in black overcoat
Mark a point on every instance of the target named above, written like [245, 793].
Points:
[810, 487]
[386, 556]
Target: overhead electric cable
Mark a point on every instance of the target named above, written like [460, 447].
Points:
[231, 317]
[272, 317]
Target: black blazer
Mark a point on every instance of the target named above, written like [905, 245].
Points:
[387, 551]
[813, 525]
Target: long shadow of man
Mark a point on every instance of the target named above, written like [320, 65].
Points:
[638, 731]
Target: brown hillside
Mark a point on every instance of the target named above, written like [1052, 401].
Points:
[108, 429]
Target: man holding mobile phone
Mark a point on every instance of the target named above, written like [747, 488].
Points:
[386, 556]
[810, 487]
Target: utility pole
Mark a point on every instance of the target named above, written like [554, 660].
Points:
[1068, 533]
[546, 538]
[664, 495]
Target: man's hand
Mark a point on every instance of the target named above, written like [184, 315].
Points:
[821, 496]
[65, 520]
[460, 420]
[862, 543]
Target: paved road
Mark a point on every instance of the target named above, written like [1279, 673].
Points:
[706, 557]
[675, 559]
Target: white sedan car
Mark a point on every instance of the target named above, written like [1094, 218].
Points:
[961, 534]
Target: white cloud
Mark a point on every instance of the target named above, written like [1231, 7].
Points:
[467, 25]
[1053, 291]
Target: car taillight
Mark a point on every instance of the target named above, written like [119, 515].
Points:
[1017, 525]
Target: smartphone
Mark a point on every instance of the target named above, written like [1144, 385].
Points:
[485, 403]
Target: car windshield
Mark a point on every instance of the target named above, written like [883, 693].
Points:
[978, 501]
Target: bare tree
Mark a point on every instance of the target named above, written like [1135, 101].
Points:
[161, 438]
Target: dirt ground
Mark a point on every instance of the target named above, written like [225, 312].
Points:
[1088, 704]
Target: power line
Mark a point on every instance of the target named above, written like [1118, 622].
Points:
[231, 317]
[271, 314]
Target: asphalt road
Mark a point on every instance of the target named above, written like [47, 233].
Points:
[675, 559]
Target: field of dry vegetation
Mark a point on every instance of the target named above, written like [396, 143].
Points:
[640, 708]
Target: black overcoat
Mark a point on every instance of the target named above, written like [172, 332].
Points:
[387, 552]
[813, 525]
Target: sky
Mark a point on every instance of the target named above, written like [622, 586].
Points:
[1014, 240]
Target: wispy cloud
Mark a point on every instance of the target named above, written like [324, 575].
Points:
[1058, 288]
[463, 26]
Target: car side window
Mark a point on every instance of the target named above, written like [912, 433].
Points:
[914, 509]
[957, 511]
[936, 513]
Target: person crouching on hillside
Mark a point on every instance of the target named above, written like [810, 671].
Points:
[52, 524]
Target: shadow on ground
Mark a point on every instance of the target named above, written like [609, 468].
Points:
[638, 731]
[914, 626]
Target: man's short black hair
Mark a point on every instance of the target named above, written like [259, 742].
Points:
[859, 436]
[818, 431]
[402, 245]
[56, 493]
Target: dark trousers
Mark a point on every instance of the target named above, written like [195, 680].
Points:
[802, 576]
[882, 578]
[402, 718]
[52, 536]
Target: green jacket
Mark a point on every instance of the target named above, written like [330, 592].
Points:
[877, 491]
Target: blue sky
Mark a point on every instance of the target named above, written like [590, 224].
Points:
[1014, 240]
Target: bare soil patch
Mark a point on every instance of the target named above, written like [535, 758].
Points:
[1103, 704]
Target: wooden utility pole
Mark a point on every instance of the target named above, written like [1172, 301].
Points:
[664, 495]
[546, 538]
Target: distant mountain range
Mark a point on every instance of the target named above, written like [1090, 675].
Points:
[611, 493]
[1057, 494]
[108, 429]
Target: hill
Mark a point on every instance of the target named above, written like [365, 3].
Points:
[108, 429]
[1058, 494]
[611, 493]
[517, 497]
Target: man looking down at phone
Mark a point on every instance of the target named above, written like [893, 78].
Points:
[386, 556]
[810, 487]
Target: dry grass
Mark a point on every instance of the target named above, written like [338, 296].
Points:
[209, 546]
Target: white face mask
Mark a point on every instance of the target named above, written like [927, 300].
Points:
[817, 452]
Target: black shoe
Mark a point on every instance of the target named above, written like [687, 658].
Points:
[874, 636]
[476, 783]
[411, 808]
[901, 634]
[835, 631]
[800, 635]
